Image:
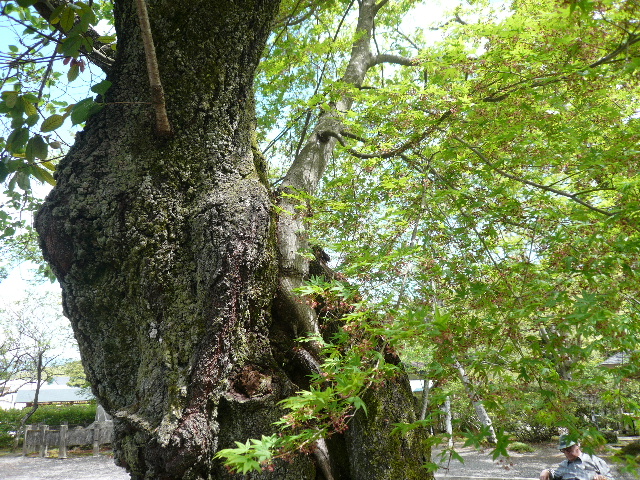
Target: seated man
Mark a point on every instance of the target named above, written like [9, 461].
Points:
[578, 465]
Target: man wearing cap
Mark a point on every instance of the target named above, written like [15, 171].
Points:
[578, 465]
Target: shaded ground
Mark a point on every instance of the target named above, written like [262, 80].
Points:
[518, 466]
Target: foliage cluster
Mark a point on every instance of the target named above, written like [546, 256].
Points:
[520, 447]
[355, 362]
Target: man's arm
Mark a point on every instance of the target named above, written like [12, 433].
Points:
[604, 470]
[548, 474]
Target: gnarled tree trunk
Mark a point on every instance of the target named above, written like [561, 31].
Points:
[166, 252]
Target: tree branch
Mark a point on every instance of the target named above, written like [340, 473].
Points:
[631, 39]
[571, 196]
[163, 127]
[291, 19]
[380, 4]
[395, 59]
[504, 92]
[402, 148]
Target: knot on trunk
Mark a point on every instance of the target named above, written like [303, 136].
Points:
[250, 382]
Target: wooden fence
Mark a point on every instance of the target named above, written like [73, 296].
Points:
[40, 437]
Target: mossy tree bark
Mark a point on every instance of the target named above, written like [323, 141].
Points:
[166, 252]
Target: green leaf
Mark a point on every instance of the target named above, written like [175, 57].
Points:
[32, 120]
[102, 87]
[52, 123]
[49, 165]
[4, 171]
[10, 97]
[70, 46]
[29, 107]
[73, 72]
[8, 232]
[83, 110]
[17, 121]
[17, 139]
[37, 148]
[106, 39]
[26, 3]
[358, 403]
[31, 97]
[23, 180]
[55, 15]
[67, 18]
[42, 174]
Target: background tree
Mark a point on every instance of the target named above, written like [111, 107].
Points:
[32, 339]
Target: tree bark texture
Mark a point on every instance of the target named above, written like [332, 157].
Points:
[166, 252]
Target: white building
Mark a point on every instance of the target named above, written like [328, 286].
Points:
[21, 395]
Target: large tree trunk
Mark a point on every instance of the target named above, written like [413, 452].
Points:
[166, 252]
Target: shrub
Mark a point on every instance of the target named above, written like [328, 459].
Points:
[632, 449]
[520, 447]
[82, 414]
[610, 436]
[533, 431]
[52, 415]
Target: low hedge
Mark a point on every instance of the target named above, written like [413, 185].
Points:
[54, 415]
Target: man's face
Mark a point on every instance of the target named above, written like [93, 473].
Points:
[571, 452]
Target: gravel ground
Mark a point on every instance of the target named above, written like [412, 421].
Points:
[477, 464]
[519, 466]
[78, 468]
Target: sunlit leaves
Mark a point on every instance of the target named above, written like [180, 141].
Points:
[101, 87]
[52, 123]
[253, 455]
[495, 232]
[35, 103]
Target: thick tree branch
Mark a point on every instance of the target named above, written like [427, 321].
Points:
[395, 59]
[572, 196]
[380, 4]
[306, 171]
